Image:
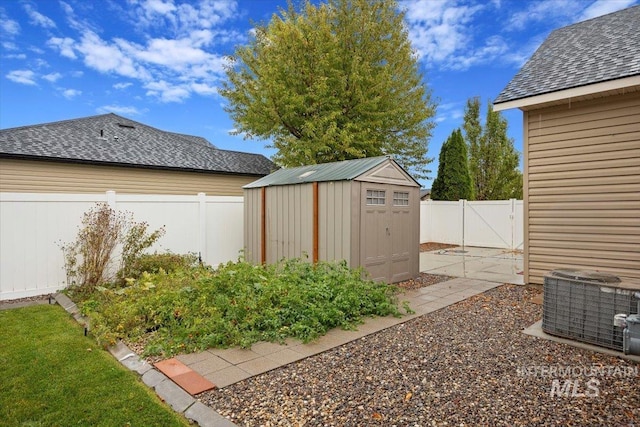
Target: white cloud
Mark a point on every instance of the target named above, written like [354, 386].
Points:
[204, 89]
[175, 54]
[167, 92]
[36, 18]
[9, 46]
[159, 7]
[9, 26]
[16, 56]
[563, 12]
[25, 77]
[602, 7]
[450, 111]
[106, 58]
[70, 93]
[52, 77]
[441, 32]
[173, 66]
[119, 109]
[64, 45]
[120, 86]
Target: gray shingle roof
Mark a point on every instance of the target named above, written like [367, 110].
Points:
[112, 139]
[336, 171]
[594, 51]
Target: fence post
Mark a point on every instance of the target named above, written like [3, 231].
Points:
[111, 199]
[461, 206]
[202, 226]
[512, 218]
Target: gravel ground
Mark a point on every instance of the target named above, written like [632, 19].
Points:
[423, 279]
[466, 365]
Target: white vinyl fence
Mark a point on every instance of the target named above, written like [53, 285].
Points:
[32, 227]
[491, 224]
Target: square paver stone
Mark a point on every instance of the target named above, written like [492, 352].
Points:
[264, 348]
[191, 358]
[227, 376]
[172, 367]
[259, 365]
[284, 357]
[235, 355]
[211, 364]
[193, 383]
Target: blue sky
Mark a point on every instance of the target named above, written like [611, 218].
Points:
[160, 62]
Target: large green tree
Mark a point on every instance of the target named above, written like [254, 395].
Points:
[493, 159]
[453, 181]
[333, 82]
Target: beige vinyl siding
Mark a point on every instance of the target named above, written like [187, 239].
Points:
[253, 225]
[289, 222]
[582, 189]
[334, 226]
[29, 176]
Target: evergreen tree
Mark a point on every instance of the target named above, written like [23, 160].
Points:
[333, 82]
[453, 181]
[493, 159]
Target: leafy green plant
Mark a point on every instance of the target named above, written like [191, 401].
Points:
[88, 257]
[158, 262]
[237, 304]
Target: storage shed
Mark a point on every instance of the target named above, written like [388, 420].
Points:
[365, 211]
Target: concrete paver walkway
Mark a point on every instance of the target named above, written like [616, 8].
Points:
[494, 265]
[228, 366]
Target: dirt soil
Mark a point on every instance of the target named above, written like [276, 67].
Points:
[434, 246]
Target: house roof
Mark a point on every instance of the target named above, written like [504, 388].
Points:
[112, 139]
[337, 171]
[598, 50]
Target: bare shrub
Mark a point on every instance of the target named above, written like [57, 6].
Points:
[88, 257]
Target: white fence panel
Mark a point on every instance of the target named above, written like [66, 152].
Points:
[179, 215]
[488, 224]
[225, 229]
[518, 225]
[493, 224]
[445, 222]
[32, 227]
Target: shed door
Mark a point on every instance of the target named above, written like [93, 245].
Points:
[385, 227]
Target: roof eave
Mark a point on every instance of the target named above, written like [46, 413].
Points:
[616, 86]
[122, 165]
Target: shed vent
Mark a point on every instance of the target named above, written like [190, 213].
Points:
[306, 174]
[581, 305]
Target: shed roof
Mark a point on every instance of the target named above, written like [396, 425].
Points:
[337, 171]
[112, 139]
[594, 51]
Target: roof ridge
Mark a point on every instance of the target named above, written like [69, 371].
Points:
[59, 122]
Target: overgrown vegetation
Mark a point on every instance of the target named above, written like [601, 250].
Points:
[52, 375]
[238, 304]
[89, 257]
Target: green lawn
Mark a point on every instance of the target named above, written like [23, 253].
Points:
[52, 375]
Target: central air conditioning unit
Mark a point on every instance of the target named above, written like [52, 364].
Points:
[582, 304]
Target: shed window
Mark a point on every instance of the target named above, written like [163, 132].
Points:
[400, 198]
[375, 197]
